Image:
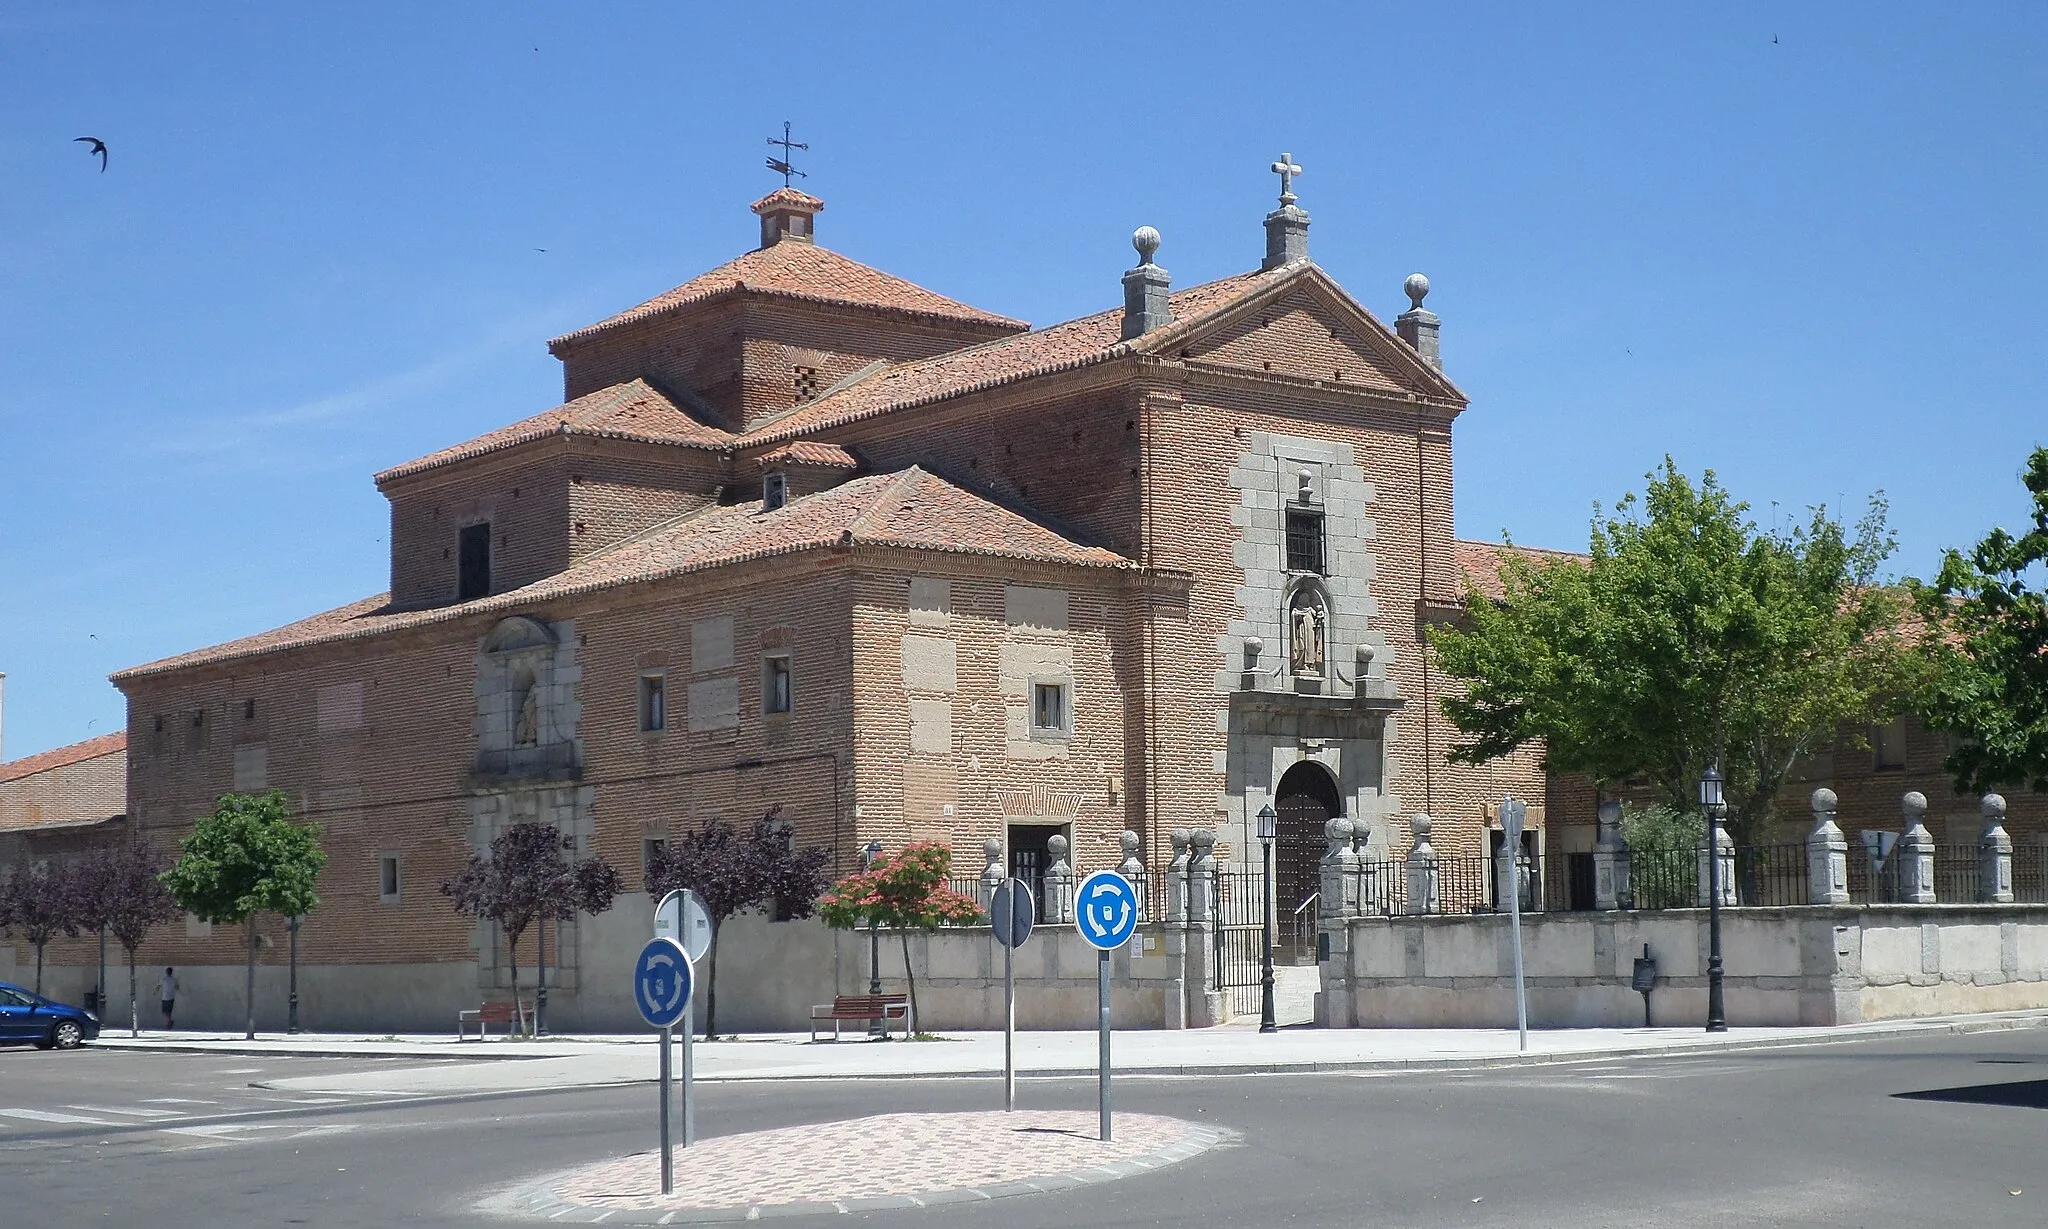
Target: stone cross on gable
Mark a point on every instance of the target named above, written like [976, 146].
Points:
[1286, 170]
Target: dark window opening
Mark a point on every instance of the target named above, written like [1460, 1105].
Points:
[805, 383]
[775, 685]
[1304, 541]
[774, 491]
[248, 710]
[653, 703]
[473, 571]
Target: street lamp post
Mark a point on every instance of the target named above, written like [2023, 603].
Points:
[291, 1022]
[870, 854]
[1269, 827]
[1712, 802]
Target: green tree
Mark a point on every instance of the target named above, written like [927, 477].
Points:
[246, 858]
[902, 893]
[1688, 637]
[1986, 641]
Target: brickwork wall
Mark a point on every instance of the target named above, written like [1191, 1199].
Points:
[1070, 458]
[89, 789]
[618, 489]
[523, 492]
[740, 355]
[941, 733]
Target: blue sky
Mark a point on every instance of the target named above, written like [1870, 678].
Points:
[1803, 249]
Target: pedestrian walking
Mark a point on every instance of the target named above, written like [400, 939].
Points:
[170, 995]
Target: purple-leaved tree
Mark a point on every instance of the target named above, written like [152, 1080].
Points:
[526, 878]
[135, 901]
[734, 873]
[40, 905]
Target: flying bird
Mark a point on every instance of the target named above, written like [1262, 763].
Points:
[98, 147]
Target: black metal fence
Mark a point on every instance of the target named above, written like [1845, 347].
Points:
[2030, 874]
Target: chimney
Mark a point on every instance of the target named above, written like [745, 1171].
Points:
[1145, 305]
[1287, 226]
[1416, 326]
[786, 214]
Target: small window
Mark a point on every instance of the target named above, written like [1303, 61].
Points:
[1304, 541]
[1889, 743]
[653, 703]
[387, 878]
[775, 684]
[804, 382]
[651, 850]
[248, 710]
[1048, 708]
[774, 490]
[473, 572]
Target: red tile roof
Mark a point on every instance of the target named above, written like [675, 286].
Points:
[800, 271]
[635, 410]
[810, 452]
[1480, 562]
[910, 509]
[1076, 343]
[786, 195]
[63, 757]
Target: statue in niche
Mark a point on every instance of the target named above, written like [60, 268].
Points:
[528, 730]
[1307, 627]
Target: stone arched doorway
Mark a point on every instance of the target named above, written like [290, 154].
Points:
[1306, 800]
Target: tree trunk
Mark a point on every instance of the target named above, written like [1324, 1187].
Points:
[710, 989]
[100, 991]
[540, 972]
[249, 980]
[134, 1016]
[512, 950]
[910, 1025]
[39, 968]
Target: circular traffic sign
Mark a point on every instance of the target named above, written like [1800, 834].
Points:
[1011, 911]
[662, 981]
[1106, 910]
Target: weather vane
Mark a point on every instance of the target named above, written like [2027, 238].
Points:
[782, 164]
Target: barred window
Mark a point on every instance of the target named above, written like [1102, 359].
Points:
[1304, 541]
[804, 382]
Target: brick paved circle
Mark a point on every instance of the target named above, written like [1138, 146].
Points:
[883, 1161]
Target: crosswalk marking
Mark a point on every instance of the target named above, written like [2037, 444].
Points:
[175, 1101]
[46, 1116]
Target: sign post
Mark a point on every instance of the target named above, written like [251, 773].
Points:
[682, 916]
[1511, 814]
[1106, 914]
[662, 981]
[1011, 911]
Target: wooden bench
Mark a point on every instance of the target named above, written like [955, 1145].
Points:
[507, 1014]
[866, 1008]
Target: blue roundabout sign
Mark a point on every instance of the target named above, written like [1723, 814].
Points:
[1106, 910]
[662, 981]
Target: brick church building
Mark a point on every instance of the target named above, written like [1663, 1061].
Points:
[804, 534]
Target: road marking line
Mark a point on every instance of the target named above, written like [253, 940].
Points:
[175, 1101]
[42, 1116]
[131, 1112]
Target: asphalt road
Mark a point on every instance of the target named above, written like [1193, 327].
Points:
[1935, 1131]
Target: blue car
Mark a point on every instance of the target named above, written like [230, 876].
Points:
[27, 1016]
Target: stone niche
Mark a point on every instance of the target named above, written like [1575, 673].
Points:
[527, 712]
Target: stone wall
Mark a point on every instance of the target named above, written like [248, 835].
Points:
[1812, 965]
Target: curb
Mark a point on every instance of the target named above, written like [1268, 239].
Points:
[1705, 1045]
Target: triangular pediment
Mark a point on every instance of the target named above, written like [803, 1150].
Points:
[1305, 327]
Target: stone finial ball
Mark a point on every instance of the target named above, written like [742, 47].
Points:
[1146, 240]
[1421, 824]
[1130, 843]
[1204, 839]
[1993, 806]
[1338, 831]
[1056, 845]
[1181, 837]
[1914, 803]
[1823, 799]
[1416, 288]
[992, 849]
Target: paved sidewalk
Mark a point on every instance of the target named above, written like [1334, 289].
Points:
[863, 1164]
[563, 1062]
